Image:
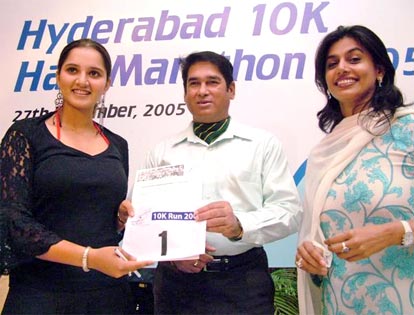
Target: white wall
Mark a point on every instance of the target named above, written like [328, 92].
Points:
[282, 99]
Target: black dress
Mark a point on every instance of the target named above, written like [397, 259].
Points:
[51, 192]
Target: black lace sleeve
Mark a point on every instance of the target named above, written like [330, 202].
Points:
[24, 237]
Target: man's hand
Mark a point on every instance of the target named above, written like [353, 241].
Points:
[220, 218]
[195, 266]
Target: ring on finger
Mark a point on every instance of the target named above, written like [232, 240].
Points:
[299, 263]
[345, 249]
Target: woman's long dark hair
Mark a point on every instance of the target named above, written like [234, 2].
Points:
[386, 99]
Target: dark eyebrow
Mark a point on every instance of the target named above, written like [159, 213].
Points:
[348, 52]
[70, 65]
[98, 69]
[91, 68]
[214, 77]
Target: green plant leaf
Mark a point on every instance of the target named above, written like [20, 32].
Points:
[286, 297]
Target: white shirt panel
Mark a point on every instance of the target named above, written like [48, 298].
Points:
[246, 167]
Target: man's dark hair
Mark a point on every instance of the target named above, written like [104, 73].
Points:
[222, 63]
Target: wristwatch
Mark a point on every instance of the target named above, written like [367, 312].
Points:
[407, 239]
[240, 236]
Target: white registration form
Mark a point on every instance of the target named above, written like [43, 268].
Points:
[164, 228]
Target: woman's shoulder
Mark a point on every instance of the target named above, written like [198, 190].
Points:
[406, 121]
[28, 126]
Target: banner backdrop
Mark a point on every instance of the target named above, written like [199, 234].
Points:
[270, 43]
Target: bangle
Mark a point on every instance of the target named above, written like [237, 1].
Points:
[120, 220]
[85, 259]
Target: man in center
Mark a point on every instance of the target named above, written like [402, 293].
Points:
[250, 197]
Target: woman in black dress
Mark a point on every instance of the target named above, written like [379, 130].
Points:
[62, 179]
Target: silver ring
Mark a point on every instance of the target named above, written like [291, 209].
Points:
[345, 248]
[196, 263]
[299, 263]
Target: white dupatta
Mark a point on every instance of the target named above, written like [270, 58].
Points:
[326, 161]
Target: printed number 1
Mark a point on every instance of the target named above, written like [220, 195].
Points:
[163, 236]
